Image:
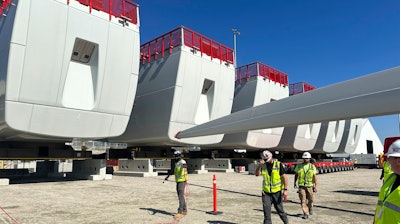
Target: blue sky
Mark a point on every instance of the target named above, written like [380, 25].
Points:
[321, 42]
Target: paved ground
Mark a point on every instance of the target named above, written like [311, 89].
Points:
[344, 197]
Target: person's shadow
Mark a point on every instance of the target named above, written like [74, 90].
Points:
[220, 222]
[153, 211]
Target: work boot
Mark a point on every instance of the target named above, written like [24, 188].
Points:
[178, 216]
[310, 211]
[305, 216]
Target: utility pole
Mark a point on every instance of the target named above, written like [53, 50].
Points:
[235, 32]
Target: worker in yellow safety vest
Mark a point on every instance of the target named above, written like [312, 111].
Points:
[274, 186]
[388, 206]
[181, 178]
[386, 171]
[306, 180]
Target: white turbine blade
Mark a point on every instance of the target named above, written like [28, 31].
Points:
[367, 96]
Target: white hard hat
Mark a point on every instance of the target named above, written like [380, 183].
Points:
[177, 153]
[306, 155]
[267, 155]
[394, 149]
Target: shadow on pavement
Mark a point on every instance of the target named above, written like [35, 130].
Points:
[220, 222]
[219, 189]
[274, 212]
[33, 180]
[366, 193]
[153, 211]
[357, 203]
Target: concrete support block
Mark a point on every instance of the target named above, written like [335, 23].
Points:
[218, 165]
[93, 169]
[136, 167]
[4, 181]
[43, 168]
[162, 165]
[54, 169]
[196, 166]
[242, 162]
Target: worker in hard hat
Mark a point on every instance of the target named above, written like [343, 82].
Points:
[274, 186]
[305, 179]
[388, 206]
[386, 171]
[181, 178]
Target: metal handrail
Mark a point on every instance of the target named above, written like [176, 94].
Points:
[259, 69]
[124, 9]
[184, 36]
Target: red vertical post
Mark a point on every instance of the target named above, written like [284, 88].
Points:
[214, 212]
[215, 193]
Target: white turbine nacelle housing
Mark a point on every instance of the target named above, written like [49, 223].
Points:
[184, 81]
[67, 70]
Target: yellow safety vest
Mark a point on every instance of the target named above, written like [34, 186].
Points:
[388, 207]
[273, 183]
[305, 178]
[180, 172]
[386, 171]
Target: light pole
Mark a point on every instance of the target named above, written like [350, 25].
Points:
[235, 32]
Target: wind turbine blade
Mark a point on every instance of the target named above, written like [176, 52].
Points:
[375, 94]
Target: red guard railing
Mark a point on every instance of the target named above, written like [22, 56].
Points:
[4, 6]
[260, 69]
[184, 36]
[125, 9]
[299, 87]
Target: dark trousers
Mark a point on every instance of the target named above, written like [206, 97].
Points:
[273, 198]
[180, 189]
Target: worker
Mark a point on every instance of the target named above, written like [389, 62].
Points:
[386, 171]
[274, 186]
[388, 206]
[305, 179]
[181, 178]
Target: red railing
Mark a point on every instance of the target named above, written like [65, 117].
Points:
[125, 9]
[4, 6]
[260, 69]
[299, 87]
[199, 43]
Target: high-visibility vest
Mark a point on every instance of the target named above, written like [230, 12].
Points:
[305, 178]
[386, 171]
[388, 207]
[180, 172]
[273, 183]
